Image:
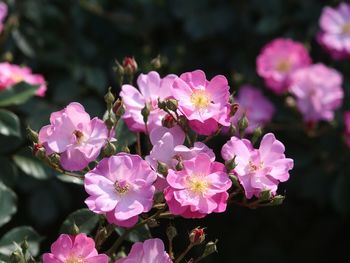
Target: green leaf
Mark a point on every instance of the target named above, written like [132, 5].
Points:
[9, 123]
[8, 206]
[83, 218]
[137, 235]
[8, 171]
[17, 94]
[30, 166]
[17, 235]
[70, 179]
[123, 135]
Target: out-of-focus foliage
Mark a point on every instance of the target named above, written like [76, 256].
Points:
[74, 45]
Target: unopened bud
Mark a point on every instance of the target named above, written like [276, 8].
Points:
[232, 130]
[74, 230]
[277, 200]
[16, 257]
[118, 108]
[55, 158]
[210, 248]
[243, 124]
[145, 113]
[39, 151]
[162, 168]
[109, 98]
[161, 104]
[32, 135]
[129, 65]
[179, 166]
[109, 149]
[231, 164]
[168, 121]
[119, 69]
[110, 121]
[234, 180]
[234, 108]
[24, 246]
[125, 149]
[171, 232]
[197, 236]
[256, 135]
[265, 195]
[171, 104]
[156, 62]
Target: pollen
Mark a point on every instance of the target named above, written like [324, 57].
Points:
[283, 66]
[121, 187]
[198, 185]
[255, 167]
[74, 260]
[200, 99]
[79, 135]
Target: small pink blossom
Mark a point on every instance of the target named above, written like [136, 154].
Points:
[258, 109]
[278, 59]
[199, 189]
[168, 148]
[150, 251]
[3, 14]
[318, 92]
[121, 187]
[334, 33]
[204, 103]
[151, 88]
[73, 135]
[258, 169]
[11, 74]
[347, 127]
[74, 249]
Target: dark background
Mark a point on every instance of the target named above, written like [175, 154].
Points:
[74, 45]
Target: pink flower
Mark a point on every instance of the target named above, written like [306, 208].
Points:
[74, 249]
[258, 109]
[3, 14]
[347, 127]
[73, 135]
[11, 74]
[258, 169]
[151, 88]
[150, 251]
[120, 187]
[204, 103]
[318, 92]
[199, 189]
[278, 59]
[168, 148]
[334, 33]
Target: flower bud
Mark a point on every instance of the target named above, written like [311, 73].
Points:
[129, 65]
[179, 166]
[119, 69]
[55, 158]
[109, 98]
[162, 168]
[109, 149]
[24, 246]
[265, 195]
[277, 200]
[171, 104]
[210, 248]
[243, 124]
[231, 164]
[16, 257]
[197, 236]
[171, 232]
[74, 230]
[232, 130]
[234, 180]
[233, 109]
[168, 121]
[125, 149]
[39, 151]
[32, 135]
[145, 113]
[161, 104]
[156, 62]
[118, 108]
[256, 135]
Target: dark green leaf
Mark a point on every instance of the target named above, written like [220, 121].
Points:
[138, 235]
[30, 166]
[8, 206]
[17, 235]
[9, 123]
[83, 218]
[123, 135]
[17, 94]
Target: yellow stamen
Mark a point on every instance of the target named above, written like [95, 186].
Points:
[121, 187]
[74, 260]
[198, 185]
[253, 167]
[283, 66]
[346, 29]
[200, 99]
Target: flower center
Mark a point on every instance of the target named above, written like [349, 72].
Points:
[121, 187]
[200, 99]
[346, 28]
[198, 185]
[79, 135]
[283, 66]
[72, 259]
[255, 167]
[17, 77]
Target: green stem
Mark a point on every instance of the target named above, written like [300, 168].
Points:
[184, 253]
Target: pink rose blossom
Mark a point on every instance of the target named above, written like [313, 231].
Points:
[73, 135]
[258, 169]
[199, 189]
[204, 103]
[151, 88]
[121, 187]
[258, 109]
[11, 74]
[150, 251]
[74, 249]
[347, 127]
[318, 92]
[3, 14]
[168, 148]
[278, 59]
[334, 33]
